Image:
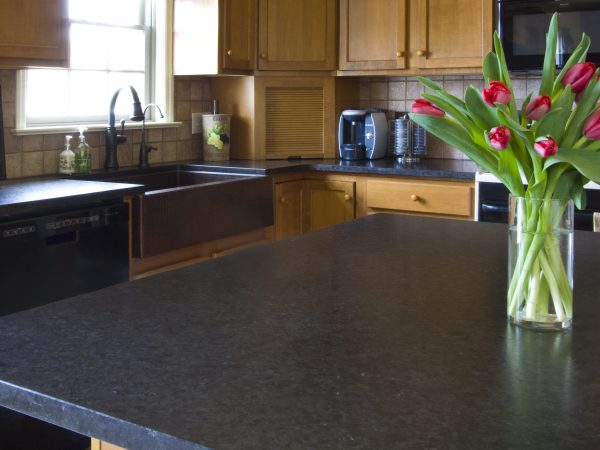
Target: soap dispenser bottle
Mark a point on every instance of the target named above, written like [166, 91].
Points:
[83, 157]
[66, 160]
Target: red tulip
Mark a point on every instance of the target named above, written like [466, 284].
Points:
[499, 137]
[578, 76]
[545, 146]
[537, 107]
[421, 106]
[591, 127]
[498, 92]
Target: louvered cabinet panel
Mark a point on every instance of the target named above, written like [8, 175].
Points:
[295, 117]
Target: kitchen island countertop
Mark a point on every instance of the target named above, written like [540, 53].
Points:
[384, 332]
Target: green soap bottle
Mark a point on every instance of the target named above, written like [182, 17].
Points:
[83, 156]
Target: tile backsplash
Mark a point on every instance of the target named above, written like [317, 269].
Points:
[34, 155]
[396, 94]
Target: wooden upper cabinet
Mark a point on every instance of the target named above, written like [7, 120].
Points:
[452, 34]
[34, 33]
[372, 34]
[213, 36]
[296, 34]
[238, 34]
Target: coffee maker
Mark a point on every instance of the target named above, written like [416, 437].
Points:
[362, 134]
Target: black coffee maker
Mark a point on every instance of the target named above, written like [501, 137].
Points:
[351, 134]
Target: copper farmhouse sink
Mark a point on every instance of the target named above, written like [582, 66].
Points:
[182, 207]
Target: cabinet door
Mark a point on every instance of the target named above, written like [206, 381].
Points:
[238, 34]
[453, 34]
[288, 209]
[34, 33]
[372, 34]
[296, 34]
[327, 203]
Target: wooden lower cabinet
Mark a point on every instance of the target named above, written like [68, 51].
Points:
[327, 203]
[310, 204]
[307, 202]
[97, 444]
[143, 267]
[431, 197]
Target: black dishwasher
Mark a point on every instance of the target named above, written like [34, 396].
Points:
[44, 259]
[48, 258]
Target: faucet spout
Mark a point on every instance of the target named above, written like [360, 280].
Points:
[145, 149]
[113, 138]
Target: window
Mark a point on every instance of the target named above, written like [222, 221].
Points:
[113, 45]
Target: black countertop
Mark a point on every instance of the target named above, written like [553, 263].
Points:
[34, 196]
[384, 332]
[40, 196]
[432, 168]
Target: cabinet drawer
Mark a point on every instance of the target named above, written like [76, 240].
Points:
[431, 197]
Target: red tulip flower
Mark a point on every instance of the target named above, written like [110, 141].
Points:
[497, 92]
[499, 137]
[421, 106]
[591, 127]
[546, 146]
[578, 76]
[537, 107]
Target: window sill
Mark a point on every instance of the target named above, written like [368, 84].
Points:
[73, 129]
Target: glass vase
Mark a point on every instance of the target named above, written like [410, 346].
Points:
[540, 263]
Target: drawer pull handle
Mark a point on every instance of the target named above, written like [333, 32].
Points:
[414, 198]
[347, 197]
[229, 52]
[399, 54]
[281, 199]
[263, 56]
[421, 53]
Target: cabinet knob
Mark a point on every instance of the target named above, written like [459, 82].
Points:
[281, 199]
[414, 197]
[399, 54]
[421, 52]
[229, 52]
[347, 197]
[263, 56]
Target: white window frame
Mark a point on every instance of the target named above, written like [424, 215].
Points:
[160, 80]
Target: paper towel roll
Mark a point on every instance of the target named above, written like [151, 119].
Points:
[215, 137]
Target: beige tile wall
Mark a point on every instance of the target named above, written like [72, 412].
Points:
[396, 94]
[36, 155]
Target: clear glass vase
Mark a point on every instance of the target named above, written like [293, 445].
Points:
[540, 263]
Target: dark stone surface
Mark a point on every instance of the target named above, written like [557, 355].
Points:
[385, 332]
[435, 168]
[21, 198]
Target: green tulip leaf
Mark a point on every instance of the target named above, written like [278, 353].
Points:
[587, 163]
[584, 109]
[524, 108]
[454, 134]
[491, 68]
[550, 57]
[430, 84]
[483, 114]
[579, 54]
[459, 115]
[592, 146]
[551, 124]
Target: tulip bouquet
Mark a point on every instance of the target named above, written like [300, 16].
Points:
[552, 143]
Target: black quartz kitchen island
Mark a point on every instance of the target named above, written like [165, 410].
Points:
[385, 332]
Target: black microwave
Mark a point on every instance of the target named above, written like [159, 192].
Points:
[522, 25]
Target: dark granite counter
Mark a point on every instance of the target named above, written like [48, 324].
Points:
[432, 168]
[385, 332]
[39, 196]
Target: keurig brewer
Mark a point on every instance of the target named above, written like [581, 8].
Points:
[362, 134]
